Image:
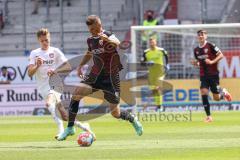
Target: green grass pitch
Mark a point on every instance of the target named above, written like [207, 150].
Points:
[31, 138]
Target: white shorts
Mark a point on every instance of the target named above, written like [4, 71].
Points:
[45, 91]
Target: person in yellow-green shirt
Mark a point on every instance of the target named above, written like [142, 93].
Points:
[150, 20]
[156, 59]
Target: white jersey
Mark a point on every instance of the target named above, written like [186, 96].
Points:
[3, 78]
[52, 58]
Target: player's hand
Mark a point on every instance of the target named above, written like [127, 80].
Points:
[79, 72]
[150, 63]
[194, 62]
[208, 61]
[39, 61]
[50, 72]
[167, 67]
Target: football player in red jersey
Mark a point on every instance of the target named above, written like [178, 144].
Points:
[207, 55]
[104, 75]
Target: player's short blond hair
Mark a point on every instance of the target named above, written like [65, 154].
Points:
[43, 32]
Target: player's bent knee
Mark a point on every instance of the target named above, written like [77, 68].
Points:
[76, 97]
[204, 91]
[115, 114]
[216, 97]
[48, 104]
[83, 91]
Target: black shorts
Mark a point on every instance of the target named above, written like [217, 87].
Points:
[211, 82]
[110, 85]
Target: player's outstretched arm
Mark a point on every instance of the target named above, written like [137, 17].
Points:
[86, 58]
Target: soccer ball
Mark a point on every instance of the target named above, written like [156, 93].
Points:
[85, 139]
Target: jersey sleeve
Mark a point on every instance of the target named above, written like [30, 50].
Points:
[114, 38]
[111, 36]
[144, 58]
[32, 58]
[60, 56]
[165, 52]
[108, 33]
[88, 43]
[214, 48]
[194, 53]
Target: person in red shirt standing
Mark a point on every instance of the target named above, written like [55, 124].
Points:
[1, 20]
[207, 55]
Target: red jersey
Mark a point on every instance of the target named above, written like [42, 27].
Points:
[209, 50]
[105, 56]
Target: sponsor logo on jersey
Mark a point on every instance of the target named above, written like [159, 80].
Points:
[98, 51]
[51, 55]
[48, 62]
[205, 50]
[202, 57]
[100, 42]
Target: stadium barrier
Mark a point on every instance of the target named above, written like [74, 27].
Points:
[19, 99]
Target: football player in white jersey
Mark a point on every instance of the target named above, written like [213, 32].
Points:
[43, 64]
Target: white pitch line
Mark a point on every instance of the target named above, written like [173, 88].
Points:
[124, 144]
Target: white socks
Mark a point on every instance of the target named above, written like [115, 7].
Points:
[57, 120]
[83, 126]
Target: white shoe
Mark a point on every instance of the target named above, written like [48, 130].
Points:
[227, 95]
[56, 136]
[87, 128]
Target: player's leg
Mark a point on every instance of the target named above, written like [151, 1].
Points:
[86, 127]
[218, 92]
[125, 115]
[64, 116]
[204, 88]
[112, 95]
[113, 98]
[157, 99]
[78, 94]
[206, 104]
[51, 105]
[155, 80]
[223, 94]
